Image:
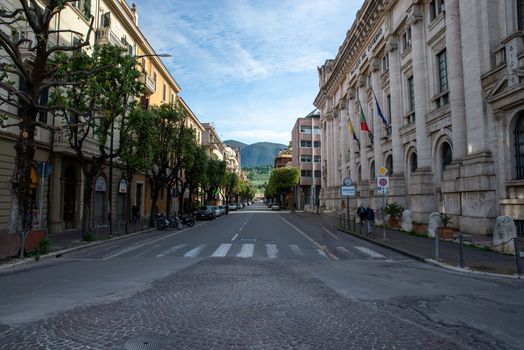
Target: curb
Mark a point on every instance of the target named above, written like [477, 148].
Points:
[431, 261]
[58, 253]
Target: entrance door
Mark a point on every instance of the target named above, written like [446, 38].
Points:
[69, 197]
[138, 200]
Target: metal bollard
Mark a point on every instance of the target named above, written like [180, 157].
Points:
[517, 255]
[461, 247]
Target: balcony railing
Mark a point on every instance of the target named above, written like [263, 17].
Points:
[106, 36]
[149, 83]
[61, 145]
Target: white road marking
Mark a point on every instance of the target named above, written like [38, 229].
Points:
[195, 252]
[296, 249]
[222, 250]
[331, 233]
[322, 253]
[156, 246]
[271, 250]
[309, 239]
[371, 253]
[234, 237]
[171, 250]
[246, 251]
[344, 250]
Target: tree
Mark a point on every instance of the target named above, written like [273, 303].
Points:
[95, 108]
[231, 185]
[27, 72]
[136, 151]
[195, 171]
[282, 181]
[216, 171]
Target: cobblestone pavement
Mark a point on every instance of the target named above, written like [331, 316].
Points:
[234, 303]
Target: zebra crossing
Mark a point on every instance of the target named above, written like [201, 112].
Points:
[258, 250]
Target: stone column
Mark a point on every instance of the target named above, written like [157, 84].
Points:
[378, 125]
[353, 145]
[344, 137]
[420, 86]
[336, 147]
[364, 135]
[396, 106]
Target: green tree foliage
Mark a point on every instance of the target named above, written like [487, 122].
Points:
[216, 171]
[231, 185]
[96, 106]
[282, 181]
[26, 74]
[196, 171]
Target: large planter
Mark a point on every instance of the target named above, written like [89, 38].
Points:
[445, 232]
[420, 228]
[394, 223]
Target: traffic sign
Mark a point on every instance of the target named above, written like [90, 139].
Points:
[382, 171]
[348, 190]
[347, 181]
[44, 169]
[383, 185]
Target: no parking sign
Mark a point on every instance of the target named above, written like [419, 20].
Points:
[383, 185]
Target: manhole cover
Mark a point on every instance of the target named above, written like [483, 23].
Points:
[150, 341]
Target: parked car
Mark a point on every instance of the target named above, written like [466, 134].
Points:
[205, 212]
[232, 206]
[239, 206]
[222, 209]
[275, 206]
[216, 208]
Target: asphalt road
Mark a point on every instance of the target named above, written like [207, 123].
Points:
[253, 279]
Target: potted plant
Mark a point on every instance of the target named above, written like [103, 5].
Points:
[394, 210]
[420, 227]
[444, 231]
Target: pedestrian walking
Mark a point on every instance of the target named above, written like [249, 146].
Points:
[370, 219]
[361, 213]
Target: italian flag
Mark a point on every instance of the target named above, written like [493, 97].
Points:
[363, 123]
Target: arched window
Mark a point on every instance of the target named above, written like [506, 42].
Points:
[413, 162]
[359, 175]
[389, 164]
[446, 155]
[372, 173]
[519, 146]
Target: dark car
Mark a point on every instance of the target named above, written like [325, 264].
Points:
[206, 212]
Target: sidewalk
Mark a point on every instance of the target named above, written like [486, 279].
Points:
[476, 253]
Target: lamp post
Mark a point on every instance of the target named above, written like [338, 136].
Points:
[111, 145]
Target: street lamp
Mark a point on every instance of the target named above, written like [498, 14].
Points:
[110, 206]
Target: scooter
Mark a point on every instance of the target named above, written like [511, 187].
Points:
[162, 222]
[174, 222]
[188, 221]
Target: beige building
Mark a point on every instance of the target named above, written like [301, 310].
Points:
[306, 155]
[115, 22]
[449, 81]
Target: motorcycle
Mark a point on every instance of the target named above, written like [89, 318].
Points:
[162, 222]
[188, 221]
[174, 222]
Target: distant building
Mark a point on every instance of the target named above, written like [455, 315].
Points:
[283, 158]
[305, 145]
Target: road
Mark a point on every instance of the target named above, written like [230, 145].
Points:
[253, 279]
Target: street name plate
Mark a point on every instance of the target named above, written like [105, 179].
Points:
[348, 190]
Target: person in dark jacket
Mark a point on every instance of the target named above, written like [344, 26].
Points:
[370, 219]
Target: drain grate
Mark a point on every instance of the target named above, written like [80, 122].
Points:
[150, 342]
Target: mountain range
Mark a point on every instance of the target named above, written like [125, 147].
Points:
[260, 153]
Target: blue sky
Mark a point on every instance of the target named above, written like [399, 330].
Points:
[248, 66]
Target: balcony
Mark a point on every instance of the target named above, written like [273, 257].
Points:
[61, 145]
[106, 36]
[149, 84]
[26, 53]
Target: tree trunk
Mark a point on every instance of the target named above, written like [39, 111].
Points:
[168, 200]
[127, 207]
[87, 219]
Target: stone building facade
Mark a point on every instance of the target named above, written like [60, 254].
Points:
[306, 146]
[448, 78]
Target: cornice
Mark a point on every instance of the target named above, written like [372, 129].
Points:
[367, 21]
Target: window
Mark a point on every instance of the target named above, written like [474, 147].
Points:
[520, 14]
[317, 159]
[388, 106]
[306, 129]
[411, 100]
[143, 64]
[436, 7]
[164, 92]
[316, 130]
[519, 146]
[83, 6]
[106, 20]
[385, 63]
[406, 39]
[305, 143]
[316, 144]
[520, 227]
[305, 159]
[413, 162]
[318, 174]
[442, 66]
[446, 156]
[372, 173]
[154, 77]
[389, 165]
[306, 173]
